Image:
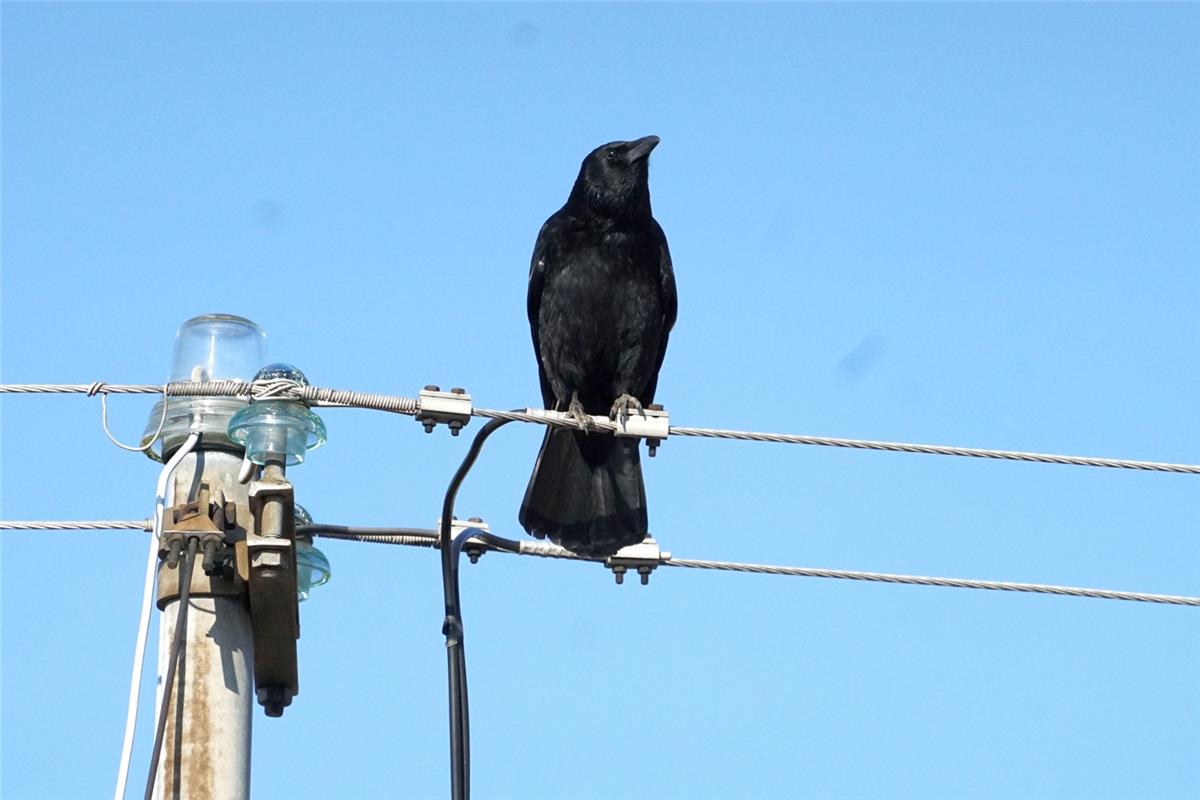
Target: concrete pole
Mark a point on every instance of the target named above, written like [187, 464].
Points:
[206, 748]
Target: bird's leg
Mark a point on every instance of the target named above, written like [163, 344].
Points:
[576, 410]
[624, 407]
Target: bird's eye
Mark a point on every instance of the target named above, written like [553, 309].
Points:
[611, 155]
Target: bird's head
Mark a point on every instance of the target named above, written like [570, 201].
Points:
[614, 179]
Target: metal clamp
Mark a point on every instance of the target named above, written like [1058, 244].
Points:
[452, 407]
[473, 547]
[645, 556]
[205, 519]
[652, 424]
[274, 612]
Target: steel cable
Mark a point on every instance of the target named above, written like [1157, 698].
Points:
[922, 580]
[258, 390]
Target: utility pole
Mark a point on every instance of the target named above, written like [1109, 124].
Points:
[241, 621]
[206, 748]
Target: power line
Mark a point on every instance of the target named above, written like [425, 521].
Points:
[921, 580]
[411, 406]
[79, 525]
[89, 389]
[421, 538]
[942, 450]
[255, 390]
[428, 537]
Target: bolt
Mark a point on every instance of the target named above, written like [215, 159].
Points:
[428, 423]
[274, 699]
[655, 407]
[458, 390]
[211, 544]
[455, 427]
[474, 519]
[431, 388]
[619, 574]
[645, 573]
[173, 551]
[474, 554]
[652, 446]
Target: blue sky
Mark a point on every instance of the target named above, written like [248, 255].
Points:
[965, 224]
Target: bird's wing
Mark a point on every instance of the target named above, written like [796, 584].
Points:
[670, 306]
[533, 305]
[666, 275]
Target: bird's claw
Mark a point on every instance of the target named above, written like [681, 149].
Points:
[581, 416]
[624, 407]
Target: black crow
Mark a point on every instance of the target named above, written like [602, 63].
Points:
[601, 304]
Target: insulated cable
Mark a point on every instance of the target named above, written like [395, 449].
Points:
[178, 647]
[452, 628]
[139, 648]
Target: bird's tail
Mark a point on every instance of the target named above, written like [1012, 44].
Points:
[586, 493]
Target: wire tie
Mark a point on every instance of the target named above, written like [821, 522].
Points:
[98, 386]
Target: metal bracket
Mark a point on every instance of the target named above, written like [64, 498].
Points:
[274, 611]
[199, 519]
[473, 547]
[452, 408]
[645, 556]
[653, 424]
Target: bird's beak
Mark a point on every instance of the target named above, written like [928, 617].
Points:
[640, 148]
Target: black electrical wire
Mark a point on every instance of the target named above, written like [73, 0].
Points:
[452, 628]
[178, 642]
[338, 531]
[356, 532]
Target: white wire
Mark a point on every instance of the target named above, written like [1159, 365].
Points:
[98, 386]
[139, 649]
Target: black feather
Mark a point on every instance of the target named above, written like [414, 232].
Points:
[601, 305]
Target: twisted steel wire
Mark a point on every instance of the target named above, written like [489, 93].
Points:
[90, 389]
[549, 550]
[284, 389]
[922, 580]
[936, 449]
[250, 390]
[423, 537]
[79, 525]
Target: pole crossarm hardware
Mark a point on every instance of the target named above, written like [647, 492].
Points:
[274, 612]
